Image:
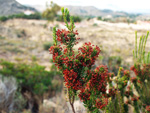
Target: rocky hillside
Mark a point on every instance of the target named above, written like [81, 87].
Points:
[8, 7]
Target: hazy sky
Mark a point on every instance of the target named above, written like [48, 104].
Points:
[138, 6]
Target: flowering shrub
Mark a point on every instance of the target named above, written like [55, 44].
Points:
[76, 68]
[98, 89]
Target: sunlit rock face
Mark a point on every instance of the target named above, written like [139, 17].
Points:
[8, 88]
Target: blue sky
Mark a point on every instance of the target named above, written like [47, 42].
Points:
[134, 6]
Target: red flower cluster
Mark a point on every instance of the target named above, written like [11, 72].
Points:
[98, 79]
[85, 94]
[135, 98]
[55, 50]
[87, 54]
[57, 57]
[133, 79]
[142, 73]
[126, 73]
[97, 85]
[72, 79]
[66, 37]
[136, 70]
[101, 102]
[112, 91]
[148, 108]
[145, 71]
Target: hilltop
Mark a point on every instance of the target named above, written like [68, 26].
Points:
[9, 7]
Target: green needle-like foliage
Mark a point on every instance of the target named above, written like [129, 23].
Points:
[139, 52]
[141, 69]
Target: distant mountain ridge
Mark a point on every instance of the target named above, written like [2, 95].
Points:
[9, 7]
[93, 11]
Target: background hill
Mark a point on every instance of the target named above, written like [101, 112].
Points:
[93, 11]
[90, 11]
[8, 7]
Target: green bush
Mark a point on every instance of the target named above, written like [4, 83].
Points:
[89, 18]
[21, 15]
[51, 12]
[3, 18]
[75, 18]
[99, 18]
[33, 76]
[95, 24]
[107, 19]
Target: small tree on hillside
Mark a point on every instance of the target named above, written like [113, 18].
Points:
[51, 12]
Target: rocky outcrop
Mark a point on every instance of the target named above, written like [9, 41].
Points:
[9, 7]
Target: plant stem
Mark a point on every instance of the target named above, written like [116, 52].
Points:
[72, 107]
[71, 101]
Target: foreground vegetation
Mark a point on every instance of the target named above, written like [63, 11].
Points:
[98, 89]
